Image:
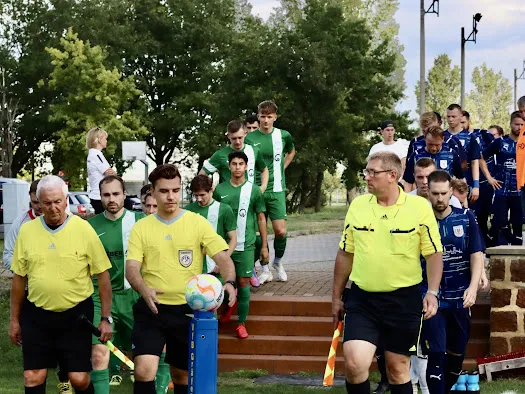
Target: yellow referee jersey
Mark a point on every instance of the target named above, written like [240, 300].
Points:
[387, 241]
[59, 263]
[171, 252]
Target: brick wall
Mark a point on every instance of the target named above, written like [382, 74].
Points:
[507, 274]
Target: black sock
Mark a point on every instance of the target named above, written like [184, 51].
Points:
[62, 375]
[360, 388]
[89, 390]
[405, 388]
[436, 372]
[381, 364]
[180, 389]
[144, 387]
[452, 370]
[40, 389]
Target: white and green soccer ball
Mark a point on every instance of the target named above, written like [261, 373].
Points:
[204, 293]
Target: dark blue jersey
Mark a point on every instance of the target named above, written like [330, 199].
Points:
[419, 143]
[461, 238]
[446, 159]
[472, 150]
[504, 151]
[484, 139]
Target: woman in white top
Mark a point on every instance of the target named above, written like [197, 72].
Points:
[97, 165]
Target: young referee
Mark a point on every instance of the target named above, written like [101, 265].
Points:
[57, 254]
[164, 253]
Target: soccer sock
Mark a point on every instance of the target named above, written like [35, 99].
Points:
[144, 387]
[180, 389]
[360, 388]
[89, 390]
[114, 364]
[279, 245]
[62, 375]
[243, 297]
[40, 389]
[420, 366]
[453, 370]
[405, 388]
[100, 381]
[162, 380]
[436, 373]
[258, 247]
[381, 364]
[265, 268]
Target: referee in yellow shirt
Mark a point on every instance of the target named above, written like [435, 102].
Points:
[57, 254]
[385, 233]
[164, 253]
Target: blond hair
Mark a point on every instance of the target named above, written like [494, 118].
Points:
[459, 185]
[93, 135]
[427, 119]
[389, 161]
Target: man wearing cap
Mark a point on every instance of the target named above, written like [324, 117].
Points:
[399, 147]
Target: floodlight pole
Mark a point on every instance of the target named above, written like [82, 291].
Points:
[433, 9]
[522, 76]
[472, 37]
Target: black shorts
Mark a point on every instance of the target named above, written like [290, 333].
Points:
[447, 331]
[49, 337]
[169, 327]
[391, 320]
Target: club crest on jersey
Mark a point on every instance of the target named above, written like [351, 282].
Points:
[443, 164]
[458, 231]
[277, 157]
[185, 258]
[242, 213]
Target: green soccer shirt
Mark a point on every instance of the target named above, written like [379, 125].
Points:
[221, 218]
[273, 147]
[218, 162]
[246, 201]
[114, 235]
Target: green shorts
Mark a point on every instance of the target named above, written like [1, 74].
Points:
[243, 263]
[122, 314]
[275, 205]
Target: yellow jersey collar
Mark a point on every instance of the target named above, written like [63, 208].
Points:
[400, 200]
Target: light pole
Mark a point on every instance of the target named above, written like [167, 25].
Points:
[472, 37]
[522, 76]
[433, 9]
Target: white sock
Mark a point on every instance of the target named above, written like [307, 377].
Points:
[277, 260]
[265, 268]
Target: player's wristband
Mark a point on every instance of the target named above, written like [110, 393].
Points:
[433, 292]
[476, 183]
[231, 282]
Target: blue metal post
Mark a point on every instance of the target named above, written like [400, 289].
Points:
[203, 354]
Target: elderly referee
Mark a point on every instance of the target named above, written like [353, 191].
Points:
[58, 254]
[385, 233]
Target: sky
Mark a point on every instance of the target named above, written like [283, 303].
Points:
[500, 40]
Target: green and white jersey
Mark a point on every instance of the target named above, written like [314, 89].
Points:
[221, 218]
[218, 162]
[114, 235]
[273, 147]
[246, 201]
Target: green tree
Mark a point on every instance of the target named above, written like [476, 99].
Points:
[490, 98]
[442, 86]
[331, 184]
[89, 95]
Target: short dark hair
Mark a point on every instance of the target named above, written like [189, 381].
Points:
[111, 178]
[452, 107]
[237, 155]
[499, 128]
[439, 176]
[466, 114]
[267, 107]
[201, 182]
[514, 115]
[32, 188]
[164, 171]
[145, 189]
[438, 116]
[425, 162]
[251, 119]
[234, 126]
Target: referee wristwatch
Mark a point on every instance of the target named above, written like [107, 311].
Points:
[109, 319]
[433, 292]
[231, 282]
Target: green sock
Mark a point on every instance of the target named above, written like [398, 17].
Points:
[162, 380]
[243, 297]
[279, 245]
[258, 247]
[100, 380]
[114, 364]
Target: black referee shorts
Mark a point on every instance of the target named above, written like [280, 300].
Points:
[169, 327]
[391, 320]
[49, 337]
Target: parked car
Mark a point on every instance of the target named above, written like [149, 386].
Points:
[79, 204]
[2, 181]
[133, 203]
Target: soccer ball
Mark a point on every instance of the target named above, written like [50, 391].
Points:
[204, 293]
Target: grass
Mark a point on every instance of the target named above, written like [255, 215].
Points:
[329, 220]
